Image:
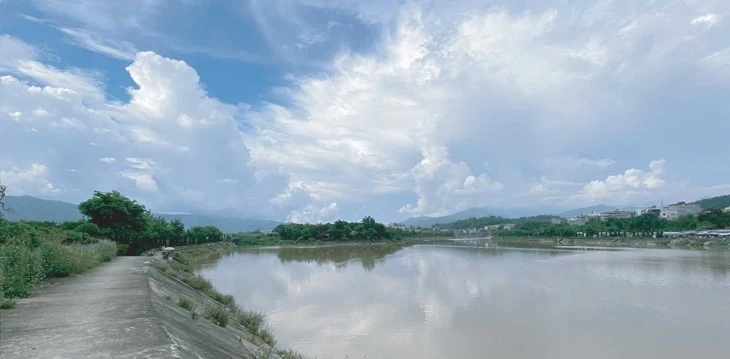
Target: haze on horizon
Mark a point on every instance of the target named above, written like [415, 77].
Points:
[312, 110]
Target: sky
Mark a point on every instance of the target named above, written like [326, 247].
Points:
[314, 110]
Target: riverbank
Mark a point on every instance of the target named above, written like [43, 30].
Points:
[196, 295]
[630, 242]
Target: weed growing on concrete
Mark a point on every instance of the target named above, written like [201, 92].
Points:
[199, 283]
[251, 320]
[6, 303]
[290, 354]
[194, 315]
[267, 336]
[186, 303]
[217, 315]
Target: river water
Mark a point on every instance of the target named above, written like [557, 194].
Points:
[468, 301]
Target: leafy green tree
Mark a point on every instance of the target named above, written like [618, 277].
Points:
[89, 228]
[118, 217]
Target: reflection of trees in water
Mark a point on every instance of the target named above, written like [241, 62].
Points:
[341, 256]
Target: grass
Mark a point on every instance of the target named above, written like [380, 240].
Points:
[227, 311]
[290, 354]
[186, 303]
[217, 315]
[251, 320]
[6, 303]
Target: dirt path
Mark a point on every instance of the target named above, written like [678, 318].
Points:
[105, 313]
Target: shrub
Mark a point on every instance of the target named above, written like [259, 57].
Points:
[217, 315]
[186, 303]
[252, 321]
[267, 336]
[21, 269]
[199, 283]
[225, 299]
[6, 303]
[289, 354]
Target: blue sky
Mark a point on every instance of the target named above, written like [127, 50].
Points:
[314, 110]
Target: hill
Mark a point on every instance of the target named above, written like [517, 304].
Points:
[718, 202]
[425, 221]
[28, 208]
[597, 208]
[225, 224]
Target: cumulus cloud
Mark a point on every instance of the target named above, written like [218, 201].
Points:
[174, 139]
[29, 180]
[622, 185]
[551, 96]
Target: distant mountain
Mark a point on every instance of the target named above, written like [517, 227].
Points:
[718, 202]
[28, 208]
[597, 208]
[425, 221]
[225, 224]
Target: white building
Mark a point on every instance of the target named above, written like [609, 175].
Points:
[652, 209]
[727, 209]
[680, 209]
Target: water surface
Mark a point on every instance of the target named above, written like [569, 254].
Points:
[442, 301]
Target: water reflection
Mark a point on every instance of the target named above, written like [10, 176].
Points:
[460, 301]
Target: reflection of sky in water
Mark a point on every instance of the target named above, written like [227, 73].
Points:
[460, 302]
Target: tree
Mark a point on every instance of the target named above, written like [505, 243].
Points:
[3, 188]
[118, 217]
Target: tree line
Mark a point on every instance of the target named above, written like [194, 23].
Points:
[644, 225]
[366, 230]
[135, 229]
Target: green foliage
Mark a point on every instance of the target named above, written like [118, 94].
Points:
[719, 202]
[118, 217]
[186, 303]
[253, 321]
[199, 283]
[267, 336]
[33, 251]
[6, 303]
[89, 228]
[289, 354]
[366, 230]
[217, 315]
[644, 225]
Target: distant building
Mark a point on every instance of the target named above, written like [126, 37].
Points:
[680, 209]
[508, 226]
[494, 227]
[556, 220]
[727, 210]
[652, 209]
[616, 215]
[577, 221]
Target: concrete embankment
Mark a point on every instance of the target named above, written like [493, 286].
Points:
[126, 308]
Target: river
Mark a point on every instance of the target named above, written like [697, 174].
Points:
[468, 301]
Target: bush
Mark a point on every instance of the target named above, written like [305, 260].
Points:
[217, 315]
[199, 283]
[21, 269]
[289, 354]
[252, 321]
[6, 303]
[186, 303]
[266, 335]
[225, 299]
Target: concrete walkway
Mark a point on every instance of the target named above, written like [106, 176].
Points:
[105, 313]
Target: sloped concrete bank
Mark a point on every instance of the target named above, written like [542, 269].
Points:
[128, 308]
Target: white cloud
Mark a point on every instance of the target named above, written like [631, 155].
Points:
[120, 50]
[167, 165]
[708, 20]
[625, 184]
[551, 96]
[30, 180]
[312, 214]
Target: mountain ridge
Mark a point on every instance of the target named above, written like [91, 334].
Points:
[29, 208]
